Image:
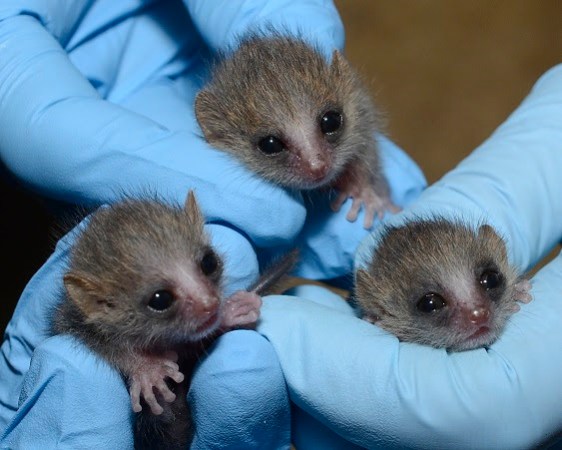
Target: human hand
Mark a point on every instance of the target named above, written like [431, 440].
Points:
[86, 125]
[59, 387]
[376, 392]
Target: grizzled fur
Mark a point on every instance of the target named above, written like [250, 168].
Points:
[281, 86]
[446, 258]
[120, 259]
[127, 255]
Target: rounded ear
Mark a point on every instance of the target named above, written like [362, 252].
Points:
[204, 113]
[87, 295]
[194, 214]
[488, 233]
[365, 295]
[339, 64]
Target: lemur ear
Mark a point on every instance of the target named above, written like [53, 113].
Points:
[87, 295]
[488, 233]
[205, 113]
[194, 214]
[339, 63]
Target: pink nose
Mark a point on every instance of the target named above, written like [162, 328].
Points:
[479, 315]
[318, 175]
[317, 169]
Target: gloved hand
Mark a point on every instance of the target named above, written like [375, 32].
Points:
[367, 388]
[94, 106]
[97, 101]
[67, 397]
[72, 399]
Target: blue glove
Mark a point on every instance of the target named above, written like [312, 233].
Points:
[67, 397]
[72, 399]
[96, 100]
[83, 124]
[357, 380]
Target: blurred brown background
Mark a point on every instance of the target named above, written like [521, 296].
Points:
[446, 73]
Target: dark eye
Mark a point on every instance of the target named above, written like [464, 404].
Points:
[431, 302]
[271, 145]
[161, 300]
[209, 263]
[331, 122]
[490, 279]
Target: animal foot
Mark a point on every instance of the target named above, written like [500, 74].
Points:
[148, 381]
[364, 197]
[241, 309]
[522, 291]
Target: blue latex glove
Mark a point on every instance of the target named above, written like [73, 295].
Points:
[57, 411]
[369, 389]
[96, 99]
[68, 398]
[93, 106]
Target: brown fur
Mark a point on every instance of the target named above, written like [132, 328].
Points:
[281, 86]
[126, 253]
[437, 256]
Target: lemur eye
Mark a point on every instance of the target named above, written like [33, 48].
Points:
[209, 263]
[331, 122]
[490, 279]
[270, 145]
[161, 300]
[431, 302]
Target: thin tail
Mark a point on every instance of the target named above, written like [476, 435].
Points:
[275, 273]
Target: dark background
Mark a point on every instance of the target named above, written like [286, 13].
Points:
[445, 73]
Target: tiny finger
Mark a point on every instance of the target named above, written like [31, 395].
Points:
[175, 375]
[369, 217]
[354, 211]
[338, 202]
[135, 397]
[168, 364]
[150, 399]
[165, 392]
[250, 317]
